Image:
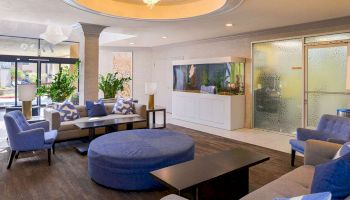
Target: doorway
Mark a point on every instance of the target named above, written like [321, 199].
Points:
[17, 70]
[325, 81]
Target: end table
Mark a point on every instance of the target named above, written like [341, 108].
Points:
[154, 125]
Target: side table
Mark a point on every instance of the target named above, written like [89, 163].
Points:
[154, 125]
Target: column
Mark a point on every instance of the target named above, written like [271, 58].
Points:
[88, 83]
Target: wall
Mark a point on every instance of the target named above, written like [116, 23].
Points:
[142, 67]
[237, 45]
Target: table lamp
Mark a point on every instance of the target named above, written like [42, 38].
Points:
[26, 94]
[150, 89]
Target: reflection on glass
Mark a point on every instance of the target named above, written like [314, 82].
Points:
[277, 85]
[26, 74]
[326, 82]
[7, 84]
[61, 50]
[221, 78]
[327, 38]
[18, 46]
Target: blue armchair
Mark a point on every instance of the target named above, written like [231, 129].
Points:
[28, 137]
[331, 128]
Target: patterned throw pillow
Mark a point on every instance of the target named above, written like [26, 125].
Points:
[123, 106]
[343, 150]
[67, 111]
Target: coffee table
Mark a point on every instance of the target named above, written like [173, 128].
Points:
[110, 125]
[223, 175]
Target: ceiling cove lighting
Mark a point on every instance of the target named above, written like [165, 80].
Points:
[161, 9]
[151, 3]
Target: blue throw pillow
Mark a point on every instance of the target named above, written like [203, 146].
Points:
[345, 149]
[316, 196]
[96, 109]
[334, 177]
[67, 111]
[123, 106]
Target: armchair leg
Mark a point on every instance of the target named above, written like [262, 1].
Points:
[12, 155]
[53, 148]
[17, 154]
[49, 156]
[293, 158]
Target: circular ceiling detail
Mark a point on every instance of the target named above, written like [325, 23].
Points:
[163, 10]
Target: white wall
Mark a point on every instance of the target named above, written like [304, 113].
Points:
[239, 46]
[142, 68]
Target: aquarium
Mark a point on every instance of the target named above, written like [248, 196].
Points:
[215, 78]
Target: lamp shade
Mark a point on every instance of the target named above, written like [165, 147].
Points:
[150, 88]
[26, 92]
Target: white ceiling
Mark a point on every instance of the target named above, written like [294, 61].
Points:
[252, 15]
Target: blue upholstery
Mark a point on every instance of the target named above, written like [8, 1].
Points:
[334, 177]
[125, 159]
[298, 145]
[27, 137]
[96, 109]
[330, 128]
[314, 196]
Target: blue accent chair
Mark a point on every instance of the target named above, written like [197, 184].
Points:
[331, 128]
[23, 136]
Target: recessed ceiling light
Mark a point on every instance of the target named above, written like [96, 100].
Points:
[131, 43]
[229, 25]
[164, 37]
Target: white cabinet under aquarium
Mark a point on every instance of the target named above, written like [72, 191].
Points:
[209, 92]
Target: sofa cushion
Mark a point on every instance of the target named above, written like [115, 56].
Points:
[345, 149]
[96, 109]
[333, 177]
[123, 106]
[67, 111]
[295, 183]
[315, 196]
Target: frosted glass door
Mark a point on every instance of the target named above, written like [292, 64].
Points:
[326, 81]
[277, 85]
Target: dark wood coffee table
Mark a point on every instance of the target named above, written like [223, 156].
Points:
[223, 175]
[110, 126]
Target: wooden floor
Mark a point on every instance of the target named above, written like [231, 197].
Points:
[31, 178]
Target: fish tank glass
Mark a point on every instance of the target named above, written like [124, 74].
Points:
[218, 78]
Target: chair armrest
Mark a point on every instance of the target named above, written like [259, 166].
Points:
[308, 134]
[140, 109]
[318, 152]
[44, 124]
[29, 140]
[53, 117]
[338, 141]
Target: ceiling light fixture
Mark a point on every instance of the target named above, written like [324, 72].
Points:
[164, 37]
[151, 3]
[131, 43]
[55, 34]
[229, 25]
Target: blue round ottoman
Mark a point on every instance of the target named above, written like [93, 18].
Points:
[124, 160]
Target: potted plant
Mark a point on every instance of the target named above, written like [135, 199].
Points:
[111, 84]
[62, 86]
